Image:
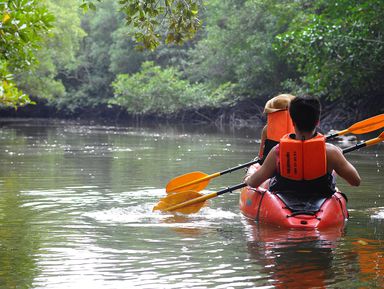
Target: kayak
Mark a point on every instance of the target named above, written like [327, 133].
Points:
[291, 209]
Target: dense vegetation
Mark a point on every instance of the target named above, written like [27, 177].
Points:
[22, 27]
[218, 56]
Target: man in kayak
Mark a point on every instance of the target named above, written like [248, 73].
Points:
[303, 161]
[279, 123]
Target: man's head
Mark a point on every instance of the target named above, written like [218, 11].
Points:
[305, 112]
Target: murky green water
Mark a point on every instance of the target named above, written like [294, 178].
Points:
[76, 212]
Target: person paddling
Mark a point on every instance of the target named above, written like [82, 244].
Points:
[278, 124]
[303, 161]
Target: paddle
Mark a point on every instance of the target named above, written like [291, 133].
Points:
[189, 202]
[197, 181]
[361, 127]
[366, 143]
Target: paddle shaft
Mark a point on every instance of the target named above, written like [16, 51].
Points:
[365, 143]
[230, 170]
[364, 126]
[328, 137]
[208, 177]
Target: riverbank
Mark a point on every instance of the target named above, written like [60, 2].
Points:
[246, 114]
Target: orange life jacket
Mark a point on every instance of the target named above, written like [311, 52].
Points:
[279, 123]
[302, 160]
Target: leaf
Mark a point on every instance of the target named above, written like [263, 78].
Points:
[92, 6]
[6, 17]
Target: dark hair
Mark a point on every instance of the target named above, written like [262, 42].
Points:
[305, 112]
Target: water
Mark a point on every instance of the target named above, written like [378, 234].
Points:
[76, 212]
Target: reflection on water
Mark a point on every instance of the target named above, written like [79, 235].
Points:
[76, 212]
[377, 213]
[371, 261]
[294, 258]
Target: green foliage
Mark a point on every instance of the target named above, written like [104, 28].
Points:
[247, 49]
[163, 92]
[169, 21]
[22, 26]
[237, 47]
[59, 57]
[106, 51]
[10, 95]
[123, 57]
[337, 47]
[88, 82]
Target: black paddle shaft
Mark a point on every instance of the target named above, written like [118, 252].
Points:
[230, 170]
[331, 136]
[355, 147]
[231, 189]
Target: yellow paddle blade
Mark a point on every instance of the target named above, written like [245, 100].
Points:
[175, 199]
[195, 181]
[376, 140]
[367, 125]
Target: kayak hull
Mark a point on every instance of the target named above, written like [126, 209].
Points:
[263, 206]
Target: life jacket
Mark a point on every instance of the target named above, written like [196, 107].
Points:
[302, 166]
[279, 123]
[302, 160]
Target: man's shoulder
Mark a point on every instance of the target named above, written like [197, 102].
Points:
[331, 147]
[334, 154]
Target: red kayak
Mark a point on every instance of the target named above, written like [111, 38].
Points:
[292, 210]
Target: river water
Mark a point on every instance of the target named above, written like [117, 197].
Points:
[76, 212]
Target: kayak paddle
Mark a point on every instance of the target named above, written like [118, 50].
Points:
[189, 202]
[197, 181]
[366, 143]
[361, 127]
